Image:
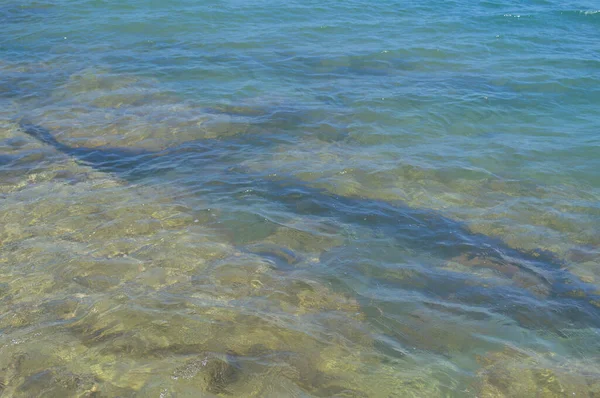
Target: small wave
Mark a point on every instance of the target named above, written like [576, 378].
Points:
[589, 12]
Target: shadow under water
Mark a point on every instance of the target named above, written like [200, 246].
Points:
[211, 168]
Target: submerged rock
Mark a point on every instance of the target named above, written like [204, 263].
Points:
[301, 369]
[307, 237]
[57, 382]
[511, 373]
[282, 256]
[210, 371]
[530, 281]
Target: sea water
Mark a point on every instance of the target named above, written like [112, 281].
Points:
[300, 198]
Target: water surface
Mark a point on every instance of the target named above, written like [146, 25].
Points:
[293, 198]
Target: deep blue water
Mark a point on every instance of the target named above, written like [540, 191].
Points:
[298, 198]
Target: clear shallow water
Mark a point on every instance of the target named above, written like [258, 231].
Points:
[299, 199]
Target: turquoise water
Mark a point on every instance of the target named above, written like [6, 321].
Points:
[305, 199]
